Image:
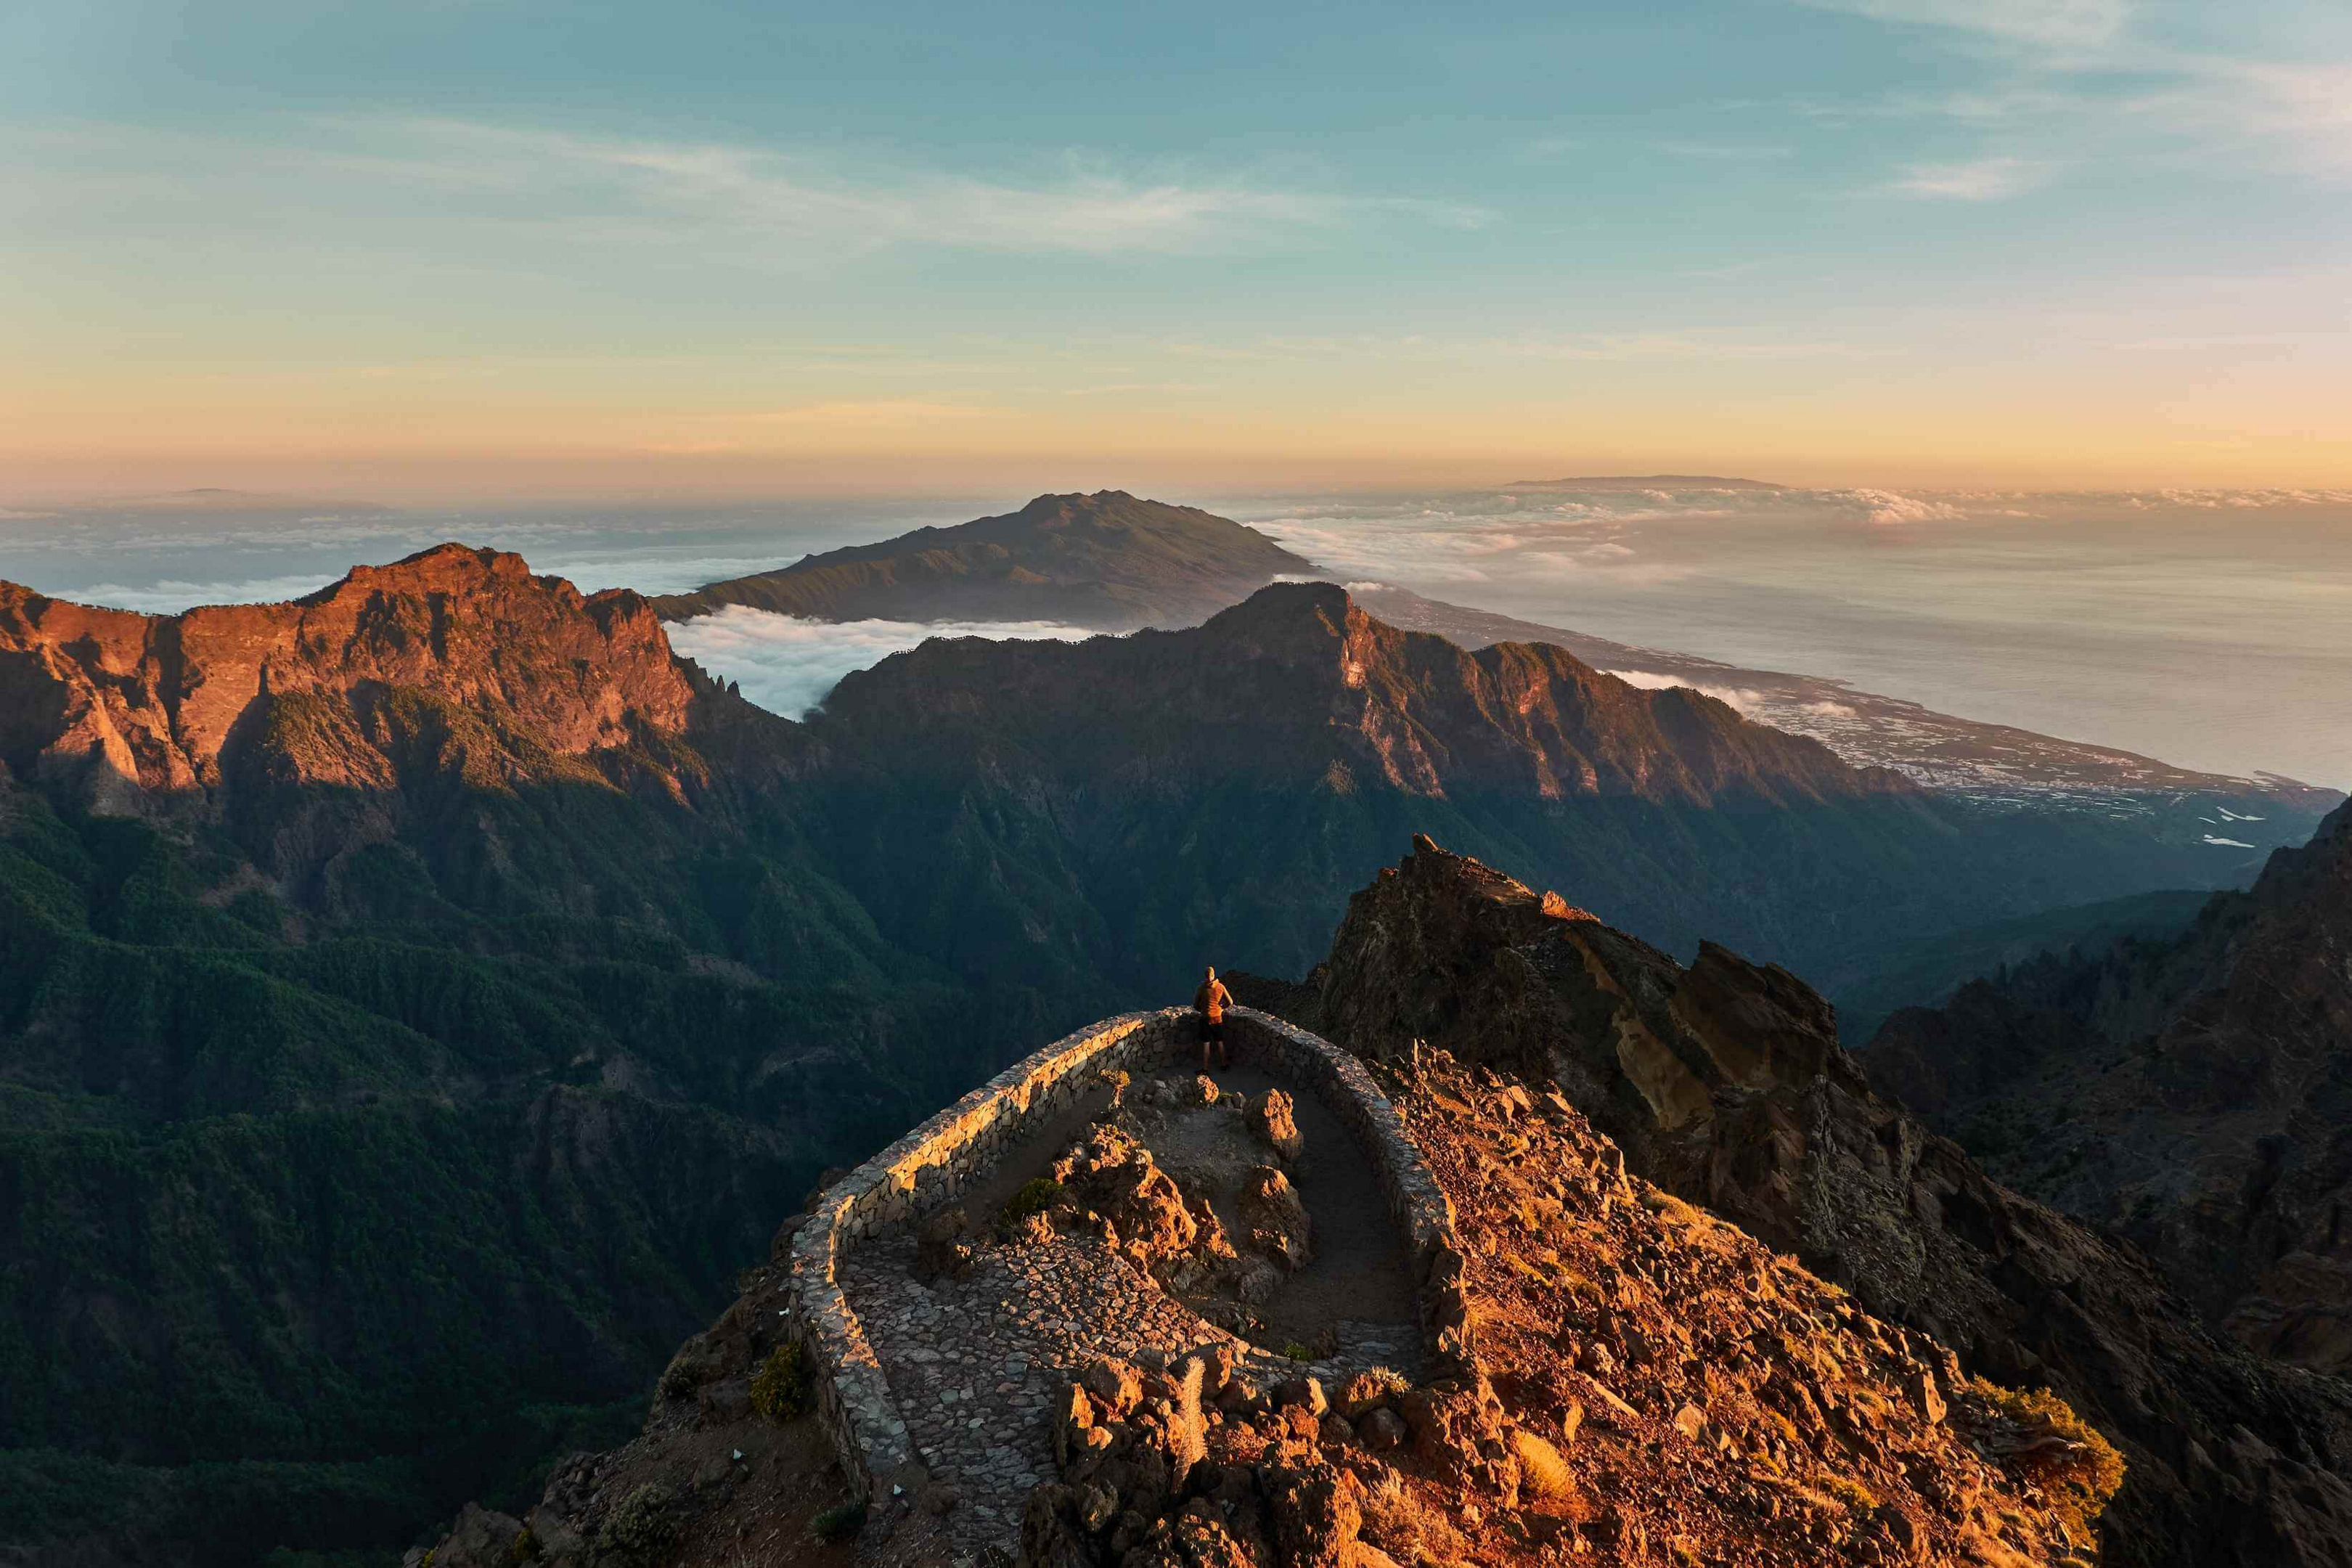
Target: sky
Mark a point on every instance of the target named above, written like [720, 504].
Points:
[451, 247]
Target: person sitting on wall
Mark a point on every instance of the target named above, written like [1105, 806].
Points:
[1211, 1002]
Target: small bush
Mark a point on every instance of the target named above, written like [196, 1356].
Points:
[2081, 1471]
[1857, 1497]
[780, 1388]
[1034, 1197]
[523, 1548]
[1297, 1351]
[1541, 1469]
[840, 1521]
[640, 1530]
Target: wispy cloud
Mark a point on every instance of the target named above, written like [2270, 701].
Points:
[1973, 180]
[786, 203]
[1727, 151]
[1605, 348]
[2111, 82]
[801, 195]
[2067, 22]
[881, 414]
[1112, 388]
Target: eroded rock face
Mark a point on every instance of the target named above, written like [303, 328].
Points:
[2191, 1095]
[145, 706]
[1725, 1083]
[387, 703]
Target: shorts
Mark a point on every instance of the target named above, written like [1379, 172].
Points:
[1212, 1031]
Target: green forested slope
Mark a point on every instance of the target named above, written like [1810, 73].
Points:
[345, 1209]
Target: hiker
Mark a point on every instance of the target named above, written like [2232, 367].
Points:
[1211, 1002]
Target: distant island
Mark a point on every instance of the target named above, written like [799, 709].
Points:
[1109, 561]
[1645, 482]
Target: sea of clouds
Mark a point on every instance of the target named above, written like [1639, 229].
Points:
[788, 664]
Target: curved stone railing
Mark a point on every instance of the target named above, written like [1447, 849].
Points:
[931, 1165]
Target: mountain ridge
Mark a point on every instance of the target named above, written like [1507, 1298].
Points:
[1723, 1082]
[449, 878]
[2204, 1080]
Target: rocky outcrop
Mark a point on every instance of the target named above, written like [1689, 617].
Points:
[2193, 1096]
[1115, 1176]
[143, 709]
[1278, 1226]
[1723, 1082]
[1651, 1386]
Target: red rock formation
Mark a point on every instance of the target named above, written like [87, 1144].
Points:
[147, 710]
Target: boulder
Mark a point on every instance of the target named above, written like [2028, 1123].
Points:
[1275, 1217]
[1273, 1118]
[1316, 1511]
[1116, 1382]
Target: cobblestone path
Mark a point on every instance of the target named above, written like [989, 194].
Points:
[972, 1362]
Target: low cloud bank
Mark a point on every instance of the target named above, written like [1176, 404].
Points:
[1739, 697]
[788, 664]
[1889, 507]
[171, 595]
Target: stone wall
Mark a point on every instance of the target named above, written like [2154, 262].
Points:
[936, 1162]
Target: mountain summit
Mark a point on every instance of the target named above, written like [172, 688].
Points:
[1108, 560]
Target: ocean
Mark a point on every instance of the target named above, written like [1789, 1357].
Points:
[2211, 629]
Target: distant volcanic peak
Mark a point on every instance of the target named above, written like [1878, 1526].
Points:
[1109, 561]
[1060, 504]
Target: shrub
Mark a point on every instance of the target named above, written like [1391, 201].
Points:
[780, 1388]
[840, 1521]
[637, 1532]
[1034, 1197]
[523, 1548]
[1297, 1351]
[2081, 1470]
[1857, 1497]
[1541, 1469]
